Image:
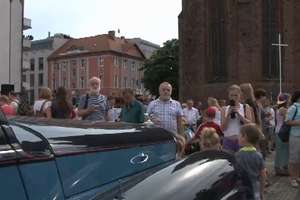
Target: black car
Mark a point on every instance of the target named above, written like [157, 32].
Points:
[208, 175]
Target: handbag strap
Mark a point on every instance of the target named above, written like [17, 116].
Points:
[295, 113]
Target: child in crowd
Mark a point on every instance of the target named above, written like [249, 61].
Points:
[193, 144]
[250, 162]
[210, 140]
[209, 123]
[5, 106]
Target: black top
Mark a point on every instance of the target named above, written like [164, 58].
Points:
[74, 136]
[60, 112]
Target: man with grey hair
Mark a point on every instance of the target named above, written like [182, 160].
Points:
[166, 112]
[93, 105]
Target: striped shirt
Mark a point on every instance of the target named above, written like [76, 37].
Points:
[101, 104]
[166, 113]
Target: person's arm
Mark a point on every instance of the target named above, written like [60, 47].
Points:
[48, 112]
[225, 119]
[179, 125]
[179, 119]
[83, 112]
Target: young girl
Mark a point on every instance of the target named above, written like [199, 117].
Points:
[210, 139]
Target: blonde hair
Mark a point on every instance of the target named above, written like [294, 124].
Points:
[210, 139]
[247, 91]
[4, 99]
[213, 102]
[234, 87]
[45, 93]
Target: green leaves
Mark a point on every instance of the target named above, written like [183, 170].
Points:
[162, 66]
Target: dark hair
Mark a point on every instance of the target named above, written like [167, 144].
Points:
[252, 133]
[61, 97]
[128, 91]
[260, 93]
[295, 96]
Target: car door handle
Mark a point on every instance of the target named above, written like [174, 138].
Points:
[139, 159]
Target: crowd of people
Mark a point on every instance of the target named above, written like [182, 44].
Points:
[248, 124]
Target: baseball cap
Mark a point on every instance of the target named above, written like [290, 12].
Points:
[211, 112]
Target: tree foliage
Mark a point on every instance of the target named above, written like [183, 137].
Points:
[162, 66]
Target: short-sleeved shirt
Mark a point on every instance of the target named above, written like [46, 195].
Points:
[295, 130]
[8, 110]
[41, 105]
[133, 113]
[250, 163]
[101, 104]
[166, 112]
[192, 115]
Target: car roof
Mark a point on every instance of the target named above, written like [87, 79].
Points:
[76, 136]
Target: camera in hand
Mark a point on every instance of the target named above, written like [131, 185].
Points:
[232, 104]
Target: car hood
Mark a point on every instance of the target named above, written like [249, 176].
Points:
[206, 175]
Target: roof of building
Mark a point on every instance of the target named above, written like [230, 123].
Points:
[145, 42]
[46, 43]
[98, 44]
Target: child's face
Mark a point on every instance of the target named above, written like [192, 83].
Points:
[242, 140]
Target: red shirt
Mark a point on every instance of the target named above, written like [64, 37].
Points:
[8, 110]
[208, 125]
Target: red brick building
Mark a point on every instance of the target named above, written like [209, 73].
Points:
[225, 42]
[115, 60]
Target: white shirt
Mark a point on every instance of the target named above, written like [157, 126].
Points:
[38, 105]
[234, 125]
[217, 119]
[114, 114]
[191, 115]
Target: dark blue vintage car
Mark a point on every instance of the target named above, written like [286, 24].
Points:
[66, 160]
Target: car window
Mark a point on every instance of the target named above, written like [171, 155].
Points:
[31, 143]
[6, 152]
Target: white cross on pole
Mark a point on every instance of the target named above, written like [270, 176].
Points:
[280, 45]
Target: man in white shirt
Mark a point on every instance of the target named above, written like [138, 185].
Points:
[191, 114]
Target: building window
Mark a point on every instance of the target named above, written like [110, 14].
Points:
[82, 82]
[116, 81]
[124, 63]
[133, 68]
[65, 83]
[32, 64]
[23, 78]
[125, 82]
[74, 72]
[41, 63]
[217, 71]
[271, 27]
[31, 80]
[83, 63]
[73, 62]
[120, 63]
[41, 79]
[54, 84]
[101, 60]
[31, 96]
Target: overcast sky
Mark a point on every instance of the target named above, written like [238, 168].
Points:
[153, 20]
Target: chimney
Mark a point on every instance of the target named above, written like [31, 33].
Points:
[49, 34]
[112, 34]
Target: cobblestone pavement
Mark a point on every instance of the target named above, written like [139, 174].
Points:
[280, 188]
